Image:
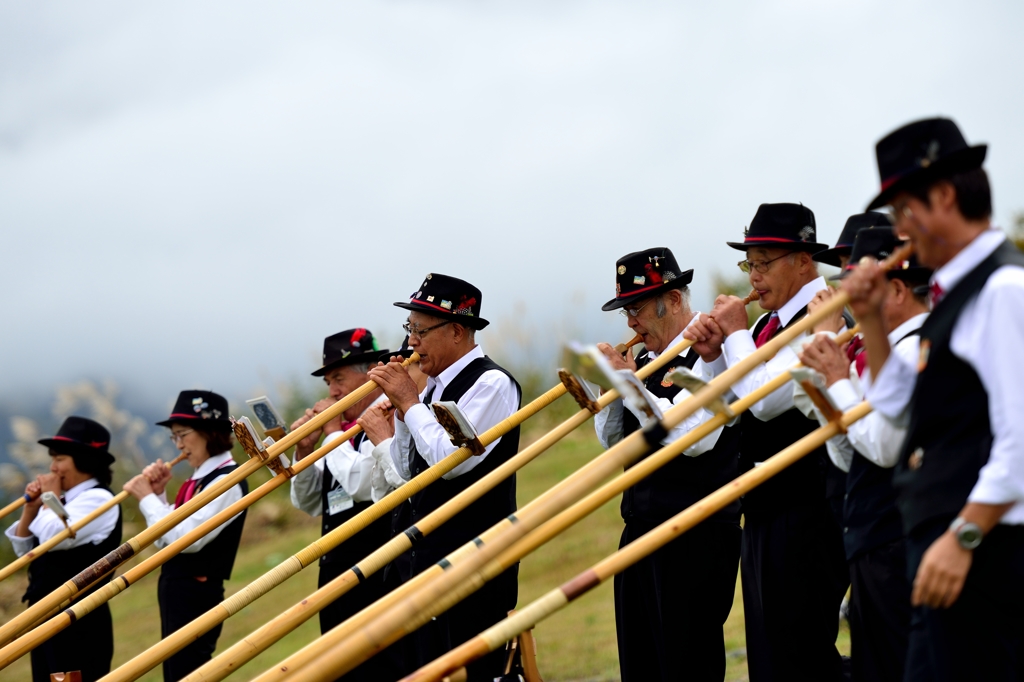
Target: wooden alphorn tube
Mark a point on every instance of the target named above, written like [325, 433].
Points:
[538, 610]
[439, 595]
[127, 550]
[244, 650]
[550, 529]
[14, 506]
[45, 547]
[623, 347]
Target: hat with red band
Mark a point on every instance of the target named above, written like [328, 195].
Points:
[448, 298]
[919, 151]
[781, 226]
[647, 273]
[79, 436]
[195, 407]
[350, 347]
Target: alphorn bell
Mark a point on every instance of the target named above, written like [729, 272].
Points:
[556, 599]
[550, 529]
[185, 635]
[127, 550]
[434, 598]
[70, 531]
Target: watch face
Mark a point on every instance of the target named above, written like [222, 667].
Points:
[969, 536]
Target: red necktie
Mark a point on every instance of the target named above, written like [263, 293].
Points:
[769, 330]
[861, 361]
[185, 492]
[936, 293]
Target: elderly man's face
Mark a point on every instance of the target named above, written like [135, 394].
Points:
[782, 279]
[436, 347]
[343, 380]
[657, 332]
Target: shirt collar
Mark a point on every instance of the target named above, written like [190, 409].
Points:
[910, 325]
[950, 274]
[654, 356]
[210, 465]
[77, 490]
[444, 378]
[794, 305]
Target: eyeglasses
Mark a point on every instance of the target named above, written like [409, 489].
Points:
[420, 332]
[179, 436]
[633, 312]
[759, 265]
[900, 212]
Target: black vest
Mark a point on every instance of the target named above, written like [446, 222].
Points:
[804, 482]
[684, 480]
[870, 516]
[56, 567]
[949, 418]
[494, 505]
[216, 559]
[363, 543]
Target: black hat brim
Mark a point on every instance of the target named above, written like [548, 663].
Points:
[678, 283]
[476, 323]
[353, 359]
[192, 421]
[963, 160]
[832, 256]
[70, 447]
[810, 247]
[386, 355]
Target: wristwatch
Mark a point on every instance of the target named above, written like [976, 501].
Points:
[967, 534]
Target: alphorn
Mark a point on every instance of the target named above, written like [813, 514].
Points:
[549, 530]
[14, 506]
[439, 595]
[189, 633]
[44, 547]
[247, 648]
[127, 550]
[556, 599]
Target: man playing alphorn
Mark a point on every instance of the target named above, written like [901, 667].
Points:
[443, 320]
[872, 530]
[80, 475]
[793, 568]
[960, 474]
[339, 486]
[671, 606]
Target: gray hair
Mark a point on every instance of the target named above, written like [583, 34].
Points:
[660, 309]
[361, 367]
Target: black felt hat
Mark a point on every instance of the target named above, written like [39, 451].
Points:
[193, 407]
[922, 150]
[880, 242]
[642, 274]
[781, 226]
[853, 224]
[81, 437]
[349, 347]
[448, 298]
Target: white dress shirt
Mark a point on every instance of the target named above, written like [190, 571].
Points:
[740, 344]
[875, 437]
[988, 336]
[351, 468]
[79, 502]
[492, 399]
[155, 507]
[608, 422]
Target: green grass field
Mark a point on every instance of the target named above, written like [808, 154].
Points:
[577, 643]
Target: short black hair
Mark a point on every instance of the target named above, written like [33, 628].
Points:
[101, 471]
[973, 193]
[218, 438]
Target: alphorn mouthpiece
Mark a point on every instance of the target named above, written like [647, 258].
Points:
[751, 297]
[180, 458]
[623, 347]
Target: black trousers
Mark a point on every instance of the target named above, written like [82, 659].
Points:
[981, 637]
[794, 577]
[879, 613]
[86, 645]
[182, 600]
[459, 624]
[370, 590]
[670, 607]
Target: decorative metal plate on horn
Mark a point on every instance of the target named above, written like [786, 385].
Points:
[587, 362]
[54, 504]
[686, 378]
[268, 416]
[458, 426]
[579, 390]
[245, 432]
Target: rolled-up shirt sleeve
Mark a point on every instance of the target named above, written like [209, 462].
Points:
[155, 507]
[306, 487]
[47, 524]
[22, 546]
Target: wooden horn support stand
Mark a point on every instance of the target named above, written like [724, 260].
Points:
[65, 593]
[415, 609]
[291, 566]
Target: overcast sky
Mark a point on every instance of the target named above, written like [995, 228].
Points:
[194, 194]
